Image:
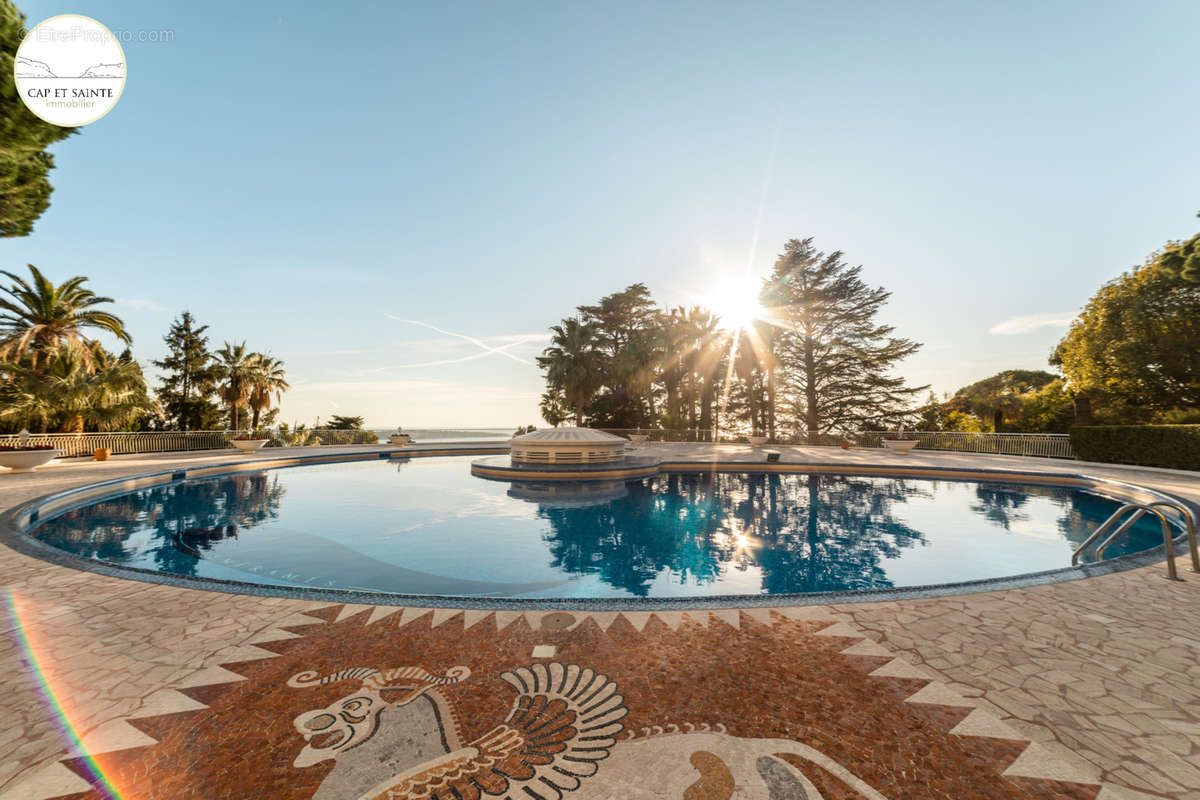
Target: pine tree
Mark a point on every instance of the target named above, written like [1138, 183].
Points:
[835, 358]
[189, 383]
[628, 328]
[24, 163]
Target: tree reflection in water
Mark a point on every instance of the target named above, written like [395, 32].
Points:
[179, 512]
[806, 533]
[1001, 504]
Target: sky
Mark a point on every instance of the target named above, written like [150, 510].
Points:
[398, 199]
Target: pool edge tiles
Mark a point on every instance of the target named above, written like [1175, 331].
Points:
[14, 523]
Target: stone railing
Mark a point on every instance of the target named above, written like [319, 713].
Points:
[85, 444]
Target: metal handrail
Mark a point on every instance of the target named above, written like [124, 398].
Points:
[1189, 524]
[1140, 509]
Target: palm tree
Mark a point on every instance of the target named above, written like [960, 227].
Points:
[65, 393]
[572, 363]
[268, 380]
[702, 358]
[37, 316]
[235, 371]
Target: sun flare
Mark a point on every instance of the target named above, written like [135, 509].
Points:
[736, 302]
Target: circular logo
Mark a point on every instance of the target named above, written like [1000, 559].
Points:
[70, 70]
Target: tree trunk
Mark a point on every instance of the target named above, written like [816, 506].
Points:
[706, 409]
[771, 403]
[183, 415]
[811, 420]
[997, 420]
[1083, 409]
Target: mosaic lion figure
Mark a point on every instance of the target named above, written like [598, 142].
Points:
[396, 735]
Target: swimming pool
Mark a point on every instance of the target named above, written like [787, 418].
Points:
[427, 527]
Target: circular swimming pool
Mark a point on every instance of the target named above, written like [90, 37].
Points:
[427, 527]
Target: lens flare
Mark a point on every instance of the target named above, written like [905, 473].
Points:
[42, 681]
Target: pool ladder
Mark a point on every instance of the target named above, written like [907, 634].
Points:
[1141, 509]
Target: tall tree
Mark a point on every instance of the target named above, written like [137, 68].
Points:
[754, 364]
[837, 356]
[572, 363]
[268, 382]
[693, 367]
[627, 327]
[1135, 348]
[24, 163]
[36, 316]
[235, 371]
[189, 379]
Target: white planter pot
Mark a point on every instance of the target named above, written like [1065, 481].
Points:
[249, 445]
[26, 460]
[900, 445]
[757, 441]
[639, 438]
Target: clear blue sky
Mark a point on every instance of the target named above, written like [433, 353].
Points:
[294, 173]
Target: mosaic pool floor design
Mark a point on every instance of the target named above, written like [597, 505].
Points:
[389, 703]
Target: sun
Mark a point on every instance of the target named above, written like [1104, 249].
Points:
[736, 302]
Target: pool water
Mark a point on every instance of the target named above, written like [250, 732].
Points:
[427, 526]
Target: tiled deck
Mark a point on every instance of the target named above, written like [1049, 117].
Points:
[1082, 689]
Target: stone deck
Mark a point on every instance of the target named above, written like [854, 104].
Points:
[1082, 689]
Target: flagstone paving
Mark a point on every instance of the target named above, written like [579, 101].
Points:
[1085, 689]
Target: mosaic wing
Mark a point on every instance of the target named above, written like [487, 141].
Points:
[564, 721]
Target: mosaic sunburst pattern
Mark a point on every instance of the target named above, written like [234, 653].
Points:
[386, 704]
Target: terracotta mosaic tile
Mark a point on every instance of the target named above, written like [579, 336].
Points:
[407, 709]
[1103, 674]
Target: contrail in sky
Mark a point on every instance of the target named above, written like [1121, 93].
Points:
[488, 349]
[471, 357]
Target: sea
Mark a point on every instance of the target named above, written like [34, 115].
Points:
[434, 435]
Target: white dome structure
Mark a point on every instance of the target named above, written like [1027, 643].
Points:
[567, 446]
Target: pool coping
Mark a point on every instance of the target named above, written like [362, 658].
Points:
[15, 521]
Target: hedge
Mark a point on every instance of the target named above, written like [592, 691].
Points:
[1173, 446]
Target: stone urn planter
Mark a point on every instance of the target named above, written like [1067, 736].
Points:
[639, 438]
[249, 445]
[28, 459]
[757, 441]
[900, 445]
[101, 453]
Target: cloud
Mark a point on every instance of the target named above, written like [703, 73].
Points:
[1015, 326]
[140, 303]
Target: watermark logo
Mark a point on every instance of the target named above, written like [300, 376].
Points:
[70, 70]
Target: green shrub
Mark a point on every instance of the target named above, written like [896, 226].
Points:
[1173, 446]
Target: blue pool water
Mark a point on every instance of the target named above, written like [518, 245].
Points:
[427, 526]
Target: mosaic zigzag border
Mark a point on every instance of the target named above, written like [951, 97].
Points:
[63, 779]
